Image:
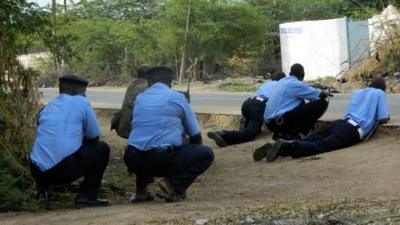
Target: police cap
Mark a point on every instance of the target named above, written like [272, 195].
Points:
[159, 72]
[73, 80]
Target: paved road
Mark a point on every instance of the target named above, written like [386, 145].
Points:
[214, 102]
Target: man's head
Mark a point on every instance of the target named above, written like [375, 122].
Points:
[142, 70]
[160, 74]
[378, 83]
[72, 84]
[278, 75]
[297, 70]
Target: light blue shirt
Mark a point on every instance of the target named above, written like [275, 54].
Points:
[287, 94]
[160, 118]
[367, 106]
[264, 91]
[63, 123]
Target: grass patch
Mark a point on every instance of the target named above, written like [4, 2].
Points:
[236, 85]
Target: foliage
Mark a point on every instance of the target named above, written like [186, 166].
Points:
[234, 85]
[106, 40]
[18, 102]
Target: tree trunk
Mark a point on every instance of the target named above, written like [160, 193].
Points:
[184, 53]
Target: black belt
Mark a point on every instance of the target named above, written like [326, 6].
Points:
[153, 150]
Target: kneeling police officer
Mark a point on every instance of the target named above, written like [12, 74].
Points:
[155, 146]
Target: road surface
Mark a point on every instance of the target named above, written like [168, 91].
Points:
[213, 102]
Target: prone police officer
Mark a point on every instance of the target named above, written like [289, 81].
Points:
[252, 110]
[367, 107]
[67, 144]
[155, 145]
[287, 114]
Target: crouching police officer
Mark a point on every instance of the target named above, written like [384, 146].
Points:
[67, 144]
[155, 146]
[286, 113]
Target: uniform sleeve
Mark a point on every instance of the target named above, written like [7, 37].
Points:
[382, 111]
[189, 120]
[301, 90]
[91, 128]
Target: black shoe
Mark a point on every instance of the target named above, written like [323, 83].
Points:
[83, 201]
[175, 197]
[168, 192]
[215, 135]
[261, 152]
[277, 149]
[144, 197]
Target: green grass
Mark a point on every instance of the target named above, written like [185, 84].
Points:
[237, 86]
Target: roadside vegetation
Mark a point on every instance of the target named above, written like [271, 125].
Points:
[18, 105]
[105, 41]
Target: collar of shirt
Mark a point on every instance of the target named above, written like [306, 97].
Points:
[66, 94]
[159, 85]
[293, 77]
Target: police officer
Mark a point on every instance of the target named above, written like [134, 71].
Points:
[252, 110]
[287, 114]
[155, 146]
[367, 106]
[121, 120]
[67, 144]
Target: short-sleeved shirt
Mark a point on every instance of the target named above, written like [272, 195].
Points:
[160, 119]
[265, 89]
[63, 123]
[367, 106]
[287, 94]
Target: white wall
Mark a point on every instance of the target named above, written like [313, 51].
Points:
[320, 46]
[32, 60]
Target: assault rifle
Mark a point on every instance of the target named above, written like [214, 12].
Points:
[187, 92]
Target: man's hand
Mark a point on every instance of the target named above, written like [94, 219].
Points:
[196, 139]
[325, 94]
[91, 140]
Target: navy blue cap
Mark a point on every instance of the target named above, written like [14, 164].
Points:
[159, 71]
[73, 80]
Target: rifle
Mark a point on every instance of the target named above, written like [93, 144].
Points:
[187, 93]
[372, 131]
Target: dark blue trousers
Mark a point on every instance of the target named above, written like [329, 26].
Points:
[339, 134]
[180, 165]
[301, 119]
[253, 111]
[90, 162]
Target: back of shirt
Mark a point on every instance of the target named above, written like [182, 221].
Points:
[367, 106]
[63, 123]
[265, 89]
[287, 94]
[160, 118]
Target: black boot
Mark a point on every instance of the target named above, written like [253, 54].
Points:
[82, 201]
[281, 147]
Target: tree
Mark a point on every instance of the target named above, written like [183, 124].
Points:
[17, 94]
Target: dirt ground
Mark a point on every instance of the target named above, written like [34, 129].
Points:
[235, 183]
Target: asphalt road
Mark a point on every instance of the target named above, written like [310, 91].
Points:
[213, 102]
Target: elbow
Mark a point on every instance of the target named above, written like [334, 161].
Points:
[382, 121]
